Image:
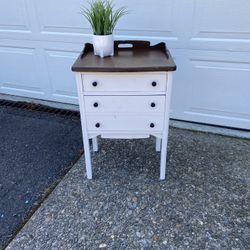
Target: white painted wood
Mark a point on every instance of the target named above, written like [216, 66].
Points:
[130, 82]
[164, 142]
[125, 134]
[123, 93]
[95, 144]
[123, 116]
[158, 144]
[84, 128]
[118, 117]
[124, 104]
[125, 122]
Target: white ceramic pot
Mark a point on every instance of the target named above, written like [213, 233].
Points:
[103, 45]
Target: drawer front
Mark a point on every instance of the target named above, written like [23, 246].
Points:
[125, 123]
[124, 104]
[128, 82]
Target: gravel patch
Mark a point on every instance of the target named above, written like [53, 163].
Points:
[203, 203]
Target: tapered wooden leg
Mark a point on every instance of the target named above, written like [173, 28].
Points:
[164, 146]
[87, 157]
[164, 142]
[158, 144]
[84, 128]
[95, 144]
[163, 158]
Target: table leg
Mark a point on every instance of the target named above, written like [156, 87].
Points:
[163, 158]
[158, 144]
[87, 156]
[84, 127]
[164, 143]
[95, 144]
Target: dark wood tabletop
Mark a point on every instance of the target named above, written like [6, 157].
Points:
[141, 56]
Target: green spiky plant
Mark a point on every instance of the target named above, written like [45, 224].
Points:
[103, 16]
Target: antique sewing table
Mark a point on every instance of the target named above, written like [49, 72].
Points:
[125, 96]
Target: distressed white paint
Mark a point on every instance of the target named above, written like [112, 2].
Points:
[210, 42]
[164, 141]
[125, 82]
[84, 127]
[127, 122]
[124, 104]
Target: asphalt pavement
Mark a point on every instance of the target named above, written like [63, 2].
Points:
[36, 150]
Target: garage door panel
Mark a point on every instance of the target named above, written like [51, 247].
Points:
[219, 87]
[221, 25]
[225, 19]
[221, 120]
[150, 23]
[19, 70]
[54, 24]
[13, 16]
[61, 16]
[62, 82]
[222, 89]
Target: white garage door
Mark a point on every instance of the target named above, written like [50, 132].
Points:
[210, 40]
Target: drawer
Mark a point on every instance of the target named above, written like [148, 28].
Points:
[124, 104]
[125, 82]
[123, 122]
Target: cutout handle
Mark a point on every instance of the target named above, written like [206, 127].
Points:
[131, 44]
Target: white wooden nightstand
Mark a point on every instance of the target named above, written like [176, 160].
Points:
[125, 96]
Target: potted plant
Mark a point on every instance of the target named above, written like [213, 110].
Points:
[103, 18]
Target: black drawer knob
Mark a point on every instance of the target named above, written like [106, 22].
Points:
[98, 125]
[95, 104]
[154, 84]
[152, 125]
[94, 84]
[152, 104]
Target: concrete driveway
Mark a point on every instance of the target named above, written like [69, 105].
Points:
[203, 204]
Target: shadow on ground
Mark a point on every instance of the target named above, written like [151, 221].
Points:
[204, 203]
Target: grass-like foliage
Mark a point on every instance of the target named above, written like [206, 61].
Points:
[103, 16]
